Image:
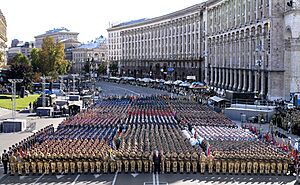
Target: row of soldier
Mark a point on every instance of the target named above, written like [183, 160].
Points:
[91, 142]
[111, 162]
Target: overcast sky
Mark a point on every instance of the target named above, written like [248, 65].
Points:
[90, 18]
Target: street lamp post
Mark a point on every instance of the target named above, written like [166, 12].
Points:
[259, 63]
[73, 78]
[43, 89]
[14, 83]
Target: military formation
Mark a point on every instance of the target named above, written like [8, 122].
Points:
[123, 135]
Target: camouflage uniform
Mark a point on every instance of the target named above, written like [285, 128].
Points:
[168, 162]
[181, 159]
[202, 163]
[195, 158]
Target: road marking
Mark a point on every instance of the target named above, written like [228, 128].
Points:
[134, 174]
[157, 180]
[153, 179]
[39, 178]
[115, 178]
[128, 90]
[97, 175]
[59, 176]
[73, 183]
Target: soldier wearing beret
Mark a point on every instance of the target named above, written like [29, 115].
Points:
[168, 162]
[195, 159]
[202, 163]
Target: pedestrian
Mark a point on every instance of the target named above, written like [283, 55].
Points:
[5, 159]
[156, 161]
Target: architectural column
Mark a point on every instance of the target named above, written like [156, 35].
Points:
[245, 11]
[256, 10]
[224, 62]
[262, 82]
[245, 57]
[211, 76]
[245, 81]
[240, 62]
[235, 64]
[211, 56]
[215, 62]
[263, 8]
[182, 39]
[256, 88]
[231, 63]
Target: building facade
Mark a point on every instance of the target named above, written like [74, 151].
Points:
[19, 47]
[232, 45]
[94, 51]
[152, 47]
[59, 34]
[3, 39]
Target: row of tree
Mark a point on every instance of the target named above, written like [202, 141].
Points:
[47, 61]
[102, 68]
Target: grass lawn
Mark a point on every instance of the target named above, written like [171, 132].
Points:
[21, 103]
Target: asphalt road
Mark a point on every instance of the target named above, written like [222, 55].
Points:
[109, 88]
[129, 179]
[146, 179]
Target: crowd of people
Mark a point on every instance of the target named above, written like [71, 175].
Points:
[145, 134]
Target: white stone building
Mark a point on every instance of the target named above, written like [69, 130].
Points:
[95, 51]
[233, 45]
[3, 39]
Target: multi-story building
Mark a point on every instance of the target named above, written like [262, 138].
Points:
[3, 39]
[63, 35]
[150, 47]
[59, 34]
[232, 45]
[19, 47]
[94, 51]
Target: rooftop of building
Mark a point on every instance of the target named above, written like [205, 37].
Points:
[178, 13]
[55, 31]
[94, 43]
[21, 44]
[129, 22]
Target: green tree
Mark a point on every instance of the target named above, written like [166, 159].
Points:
[87, 66]
[61, 65]
[102, 69]
[35, 59]
[52, 58]
[113, 68]
[21, 68]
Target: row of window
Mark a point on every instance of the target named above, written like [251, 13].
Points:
[235, 13]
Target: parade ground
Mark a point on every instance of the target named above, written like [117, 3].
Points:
[122, 178]
[146, 179]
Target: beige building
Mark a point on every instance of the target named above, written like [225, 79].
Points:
[3, 39]
[59, 35]
[232, 45]
[95, 51]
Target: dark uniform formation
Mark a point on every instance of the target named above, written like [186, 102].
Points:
[145, 134]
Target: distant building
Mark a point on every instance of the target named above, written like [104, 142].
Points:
[3, 39]
[19, 47]
[63, 35]
[59, 34]
[95, 51]
[234, 46]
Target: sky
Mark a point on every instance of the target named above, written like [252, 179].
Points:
[90, 18]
